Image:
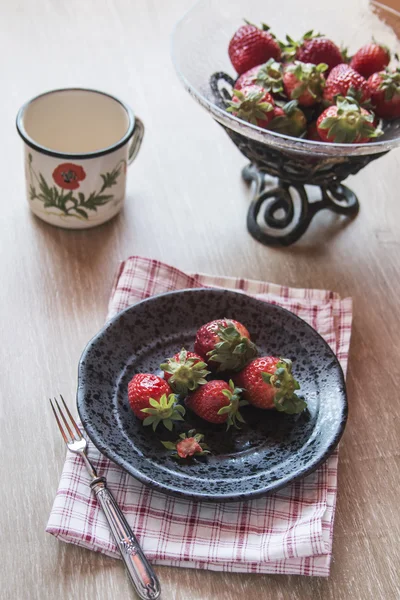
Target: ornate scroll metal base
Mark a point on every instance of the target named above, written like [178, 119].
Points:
[282, 224]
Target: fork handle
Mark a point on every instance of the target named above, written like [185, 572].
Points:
[140, 571]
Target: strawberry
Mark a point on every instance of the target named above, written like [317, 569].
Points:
[267, 76]
[289, 120]
[315, 49]
[252, 104]
[370, 59]
[385, 93]
[190, 444]
[251, 46]
[268, 383]
[304, 82]
[346, 123]
[247, 79]
[152, 401]
[217, 402]
[185, 371]
[312, 132]
[344, 81]
[225, 344]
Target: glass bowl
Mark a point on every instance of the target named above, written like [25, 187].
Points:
[200, 56]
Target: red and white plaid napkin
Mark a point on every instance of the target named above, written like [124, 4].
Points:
[289, 532]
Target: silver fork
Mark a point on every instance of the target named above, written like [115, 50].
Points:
[143, 578]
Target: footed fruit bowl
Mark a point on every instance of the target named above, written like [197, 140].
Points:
[282, 166]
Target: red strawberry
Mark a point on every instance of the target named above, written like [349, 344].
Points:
[217, 402]
[152, 401]
[385, 97]
[247, 79]
[289, 120]
[252, 104]
[251, 46]
[225, 344]
[315, 49]
[279, 112]
[190, 444]
[268, 383]
[304, 82]
[346, 123]
[185, 371]
[370, 59]
[267, 76]
[345, 81]
[312, 132]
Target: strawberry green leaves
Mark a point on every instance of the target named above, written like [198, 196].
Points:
[348, 122]
[187, 372]
[233, 351]
[390, 83]
[232, 409]
[285, 385]
[270, 77]
[291, 405]
[292, 46]
[165, 411]
[305, 82]
[251, 105]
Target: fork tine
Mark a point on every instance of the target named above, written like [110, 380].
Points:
[72, 419]
[58, 422]
[71, 433]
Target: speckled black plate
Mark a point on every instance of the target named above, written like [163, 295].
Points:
[269, 452]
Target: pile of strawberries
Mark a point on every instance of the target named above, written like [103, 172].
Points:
[310, 88]
[215, 381]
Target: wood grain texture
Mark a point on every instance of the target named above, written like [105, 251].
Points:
[55, 286]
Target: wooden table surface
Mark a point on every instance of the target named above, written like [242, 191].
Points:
[186, 183]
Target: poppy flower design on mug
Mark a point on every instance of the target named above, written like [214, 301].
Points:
[68, 176]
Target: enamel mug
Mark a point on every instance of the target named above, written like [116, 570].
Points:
[77, 145]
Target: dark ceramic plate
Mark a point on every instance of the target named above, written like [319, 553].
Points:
[269, 452]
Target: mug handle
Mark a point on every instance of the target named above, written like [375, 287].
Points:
[136, 141]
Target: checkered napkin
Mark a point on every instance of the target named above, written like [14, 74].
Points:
[289, 532]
